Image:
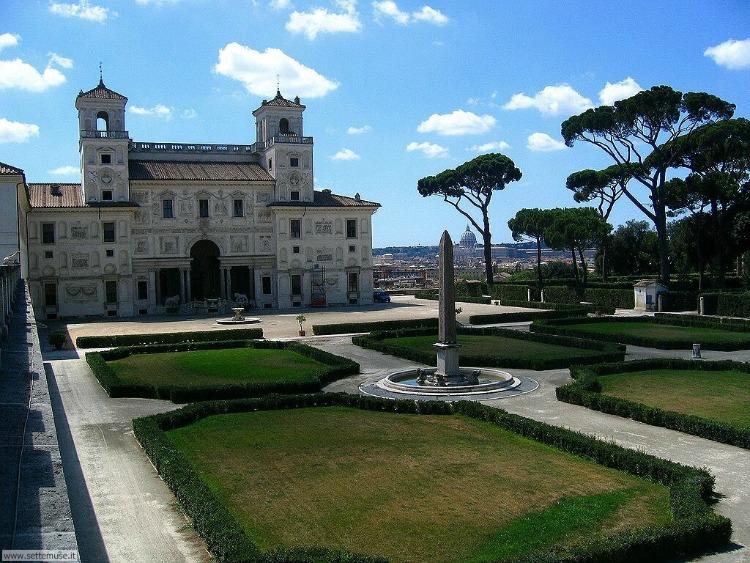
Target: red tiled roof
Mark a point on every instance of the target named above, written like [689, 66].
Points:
[102, 92]
[281, 101]
[178, 170]
[55, 195]
[327, 199]
[8, 170]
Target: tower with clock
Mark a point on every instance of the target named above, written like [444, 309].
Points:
[103, 144]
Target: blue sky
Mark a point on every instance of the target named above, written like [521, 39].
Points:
[443, 79]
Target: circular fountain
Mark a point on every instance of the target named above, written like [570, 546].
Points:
[448, 380]
[239, 318]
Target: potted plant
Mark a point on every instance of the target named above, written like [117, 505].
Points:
[301, 319]
[57, 339]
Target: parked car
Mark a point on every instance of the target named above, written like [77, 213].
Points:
[381, 297]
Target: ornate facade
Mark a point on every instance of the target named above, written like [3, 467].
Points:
[164, 226]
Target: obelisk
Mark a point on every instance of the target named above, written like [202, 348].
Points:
[447, 345]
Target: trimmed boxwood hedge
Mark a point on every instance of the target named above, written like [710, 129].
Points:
[513, 292]
[728, 304]
[338, 367]
[349, 328]
[738, 325]
[434, 295]
[522, 316]
[579, 307]
[586, 391]
[695, 528]
[560, 328]
[679, 301]
[608, 352]
[112, 340]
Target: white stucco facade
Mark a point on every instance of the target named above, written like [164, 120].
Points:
[153, 224]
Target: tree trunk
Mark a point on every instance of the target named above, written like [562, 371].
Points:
[584, 268]
[603, 247]
[487, 237]
[575, 265]
[661, 232]
[539, 260]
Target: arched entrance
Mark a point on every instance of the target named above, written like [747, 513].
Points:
[204, 270]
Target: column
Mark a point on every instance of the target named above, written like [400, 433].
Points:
[188, 287]
[253, 287]
[182, 286]
[152, 290]
[157, 286]
[223, 282]
[230, 294]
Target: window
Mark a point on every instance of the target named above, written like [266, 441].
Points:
[106, 195]
[102, 121]
[295, 228]
[106, 159]
[202, 208]
[48, 254]
[284, 126]
[142, 290]
[296, 284]
[295, 249]
[110, 253]
[352, 248]
[270, 164]
[352, 282]
[294, 162]
[239, 208]
[351, 228]
[109, 232]
[166, 209]
[110, 291]
[48, 233]
[294, 195]
[50, 294]
[266, 283]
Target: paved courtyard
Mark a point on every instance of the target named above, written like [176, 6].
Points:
[128, 514]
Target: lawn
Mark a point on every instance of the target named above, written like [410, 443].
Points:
[495, 345]
[228, 366]
[659, 333]
[718, 395]
[408, 487]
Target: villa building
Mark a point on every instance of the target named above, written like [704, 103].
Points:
[156, 226]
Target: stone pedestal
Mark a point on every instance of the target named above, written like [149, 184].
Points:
[447, 360]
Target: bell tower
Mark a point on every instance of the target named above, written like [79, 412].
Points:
[284, 150]
[103, 144]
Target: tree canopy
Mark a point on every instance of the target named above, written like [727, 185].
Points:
[531, 224]
[473, 184]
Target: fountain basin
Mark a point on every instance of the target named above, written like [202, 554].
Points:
[490, 380]
[242, 321]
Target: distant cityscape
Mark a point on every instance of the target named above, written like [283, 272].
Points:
[416, 266]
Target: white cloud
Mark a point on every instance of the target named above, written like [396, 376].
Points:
[732, 54]
[156, 2]
[279, 4]
[541, 142]
[389, 9]
[257, 71]
[430, 15]
[430, 150]
[8, 40]
[552, 100]
[159, 110]
[15, 131]
[320, 20]
[65, 171]
[19, 74]
[459, 122]
[359, 130]
[83, 10]
[345, 154]
[490, 147]
[612, 93]
[64, 62]
[189, 113]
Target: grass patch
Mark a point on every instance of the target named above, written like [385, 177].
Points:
[217, 367]
[408, 487]
[707, 399]
[647, 331]
[216, 370]
[718, 395]
[495, 347]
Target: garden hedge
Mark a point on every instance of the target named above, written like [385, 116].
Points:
[561, 327]
[349, 328]
[522, 316]
[112, 340]
[679, 301]
[695, 528]
[586, 391]
[615, 298]
[579, 307]
[434, 295]
[608, 352]
[728, 304]
[739, 325]
[513, 292]
[338, 367]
